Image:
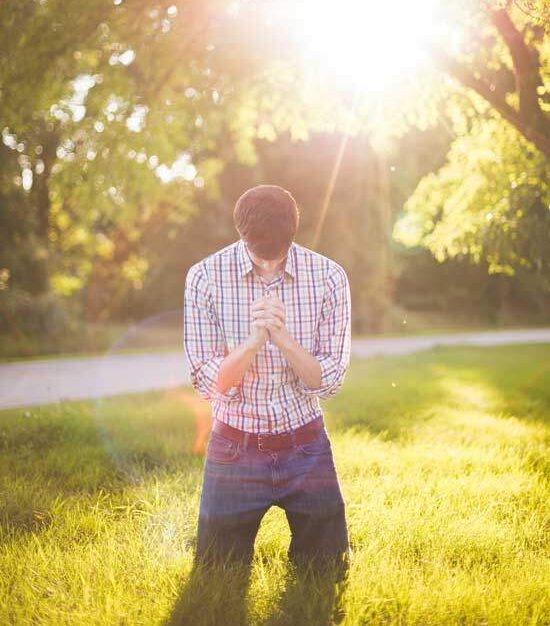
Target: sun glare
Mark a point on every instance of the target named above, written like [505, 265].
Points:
[370, 44]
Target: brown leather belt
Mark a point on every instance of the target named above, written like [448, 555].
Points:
[270, 441]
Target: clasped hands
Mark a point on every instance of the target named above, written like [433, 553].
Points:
[268, 313]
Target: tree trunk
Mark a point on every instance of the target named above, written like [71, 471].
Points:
[529, 120]
[41, 198]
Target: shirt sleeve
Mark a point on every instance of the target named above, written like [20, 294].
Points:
[333, 336]
[203, 341]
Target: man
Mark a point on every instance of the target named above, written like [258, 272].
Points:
[267, 332]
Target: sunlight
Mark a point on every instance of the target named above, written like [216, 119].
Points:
[373, 44]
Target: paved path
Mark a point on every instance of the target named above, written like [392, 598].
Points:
[30, 383]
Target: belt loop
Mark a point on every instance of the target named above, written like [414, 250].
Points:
[293, 436]
[246, 438]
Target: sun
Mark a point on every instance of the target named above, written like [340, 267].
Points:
[367, 43]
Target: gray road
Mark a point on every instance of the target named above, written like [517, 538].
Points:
[46, 381]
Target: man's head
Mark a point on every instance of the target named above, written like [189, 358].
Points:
[266, 217]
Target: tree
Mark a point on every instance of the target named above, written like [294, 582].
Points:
[119, 118]
[95, 116]
[507, 64]
[490, 201]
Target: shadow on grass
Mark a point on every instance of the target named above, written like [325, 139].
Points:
[390, 395]
[520, 376]
[217, 595]
[387, 395]
[309, 598]
[212, 596]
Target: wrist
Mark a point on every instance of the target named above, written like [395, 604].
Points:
[253, 344]
[285, 340]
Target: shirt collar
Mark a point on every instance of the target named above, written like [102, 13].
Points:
[246, 265]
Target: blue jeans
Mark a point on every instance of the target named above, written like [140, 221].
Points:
[242, 482]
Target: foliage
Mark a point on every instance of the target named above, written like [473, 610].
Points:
[489, 202]
[95, 130]
[119, 120]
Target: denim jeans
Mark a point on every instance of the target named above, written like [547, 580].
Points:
[242, 482]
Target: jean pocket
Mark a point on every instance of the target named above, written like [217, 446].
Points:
[221, 449]
[319, 445]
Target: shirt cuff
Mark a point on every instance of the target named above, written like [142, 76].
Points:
[329, 370]
[207, 379]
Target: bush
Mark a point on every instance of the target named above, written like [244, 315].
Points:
[33, 314]
[32, 324]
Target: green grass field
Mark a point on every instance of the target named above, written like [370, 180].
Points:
[444, 466]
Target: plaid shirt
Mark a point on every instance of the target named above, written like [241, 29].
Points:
[270, 398]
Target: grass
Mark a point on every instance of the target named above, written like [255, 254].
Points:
[444, 466]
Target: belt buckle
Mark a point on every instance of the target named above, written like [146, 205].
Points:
[260, 437]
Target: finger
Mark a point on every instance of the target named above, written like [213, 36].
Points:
[276, 312]
[274, 299]
[275, 305]
[259, 304]
[268, 313]
[266, 301]
[261, 315]
[273, 319]
[278, 320]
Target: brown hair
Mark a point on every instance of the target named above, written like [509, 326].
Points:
[267, 217]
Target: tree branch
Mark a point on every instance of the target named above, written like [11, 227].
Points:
[535, 133]
[526, 67]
